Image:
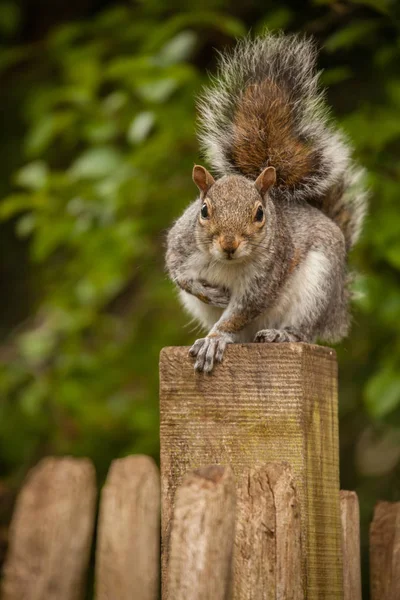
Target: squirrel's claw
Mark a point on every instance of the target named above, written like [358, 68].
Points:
[208, 351]
[194, 350]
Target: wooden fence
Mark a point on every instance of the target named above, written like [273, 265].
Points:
[251, 508]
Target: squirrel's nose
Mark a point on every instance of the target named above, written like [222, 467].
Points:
[229, 252]
[229, 246]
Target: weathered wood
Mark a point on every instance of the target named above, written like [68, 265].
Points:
[127, 554]
[263, 403]
[202, 536]
[350, 517]
[51, 532]
[384, 540]
[267, 556]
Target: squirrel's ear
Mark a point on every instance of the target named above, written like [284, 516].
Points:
[202, 178]
[265, 180]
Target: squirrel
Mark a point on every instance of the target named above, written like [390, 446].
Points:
[261, 254]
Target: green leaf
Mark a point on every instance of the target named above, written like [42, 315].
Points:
[13, 204]
[96, 163]
[115, 102]
[37, 345]
[157, 91]
[26, 225]
[52, 236]
[128, 67]
[382, 392]
[357, 33]
[214, 20]
[101, 131]
[393, 254]
[33, 176]
[178, 49]
[140, 127]
[44, 132]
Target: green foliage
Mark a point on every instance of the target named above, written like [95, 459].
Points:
[100, 170]
[109, 142]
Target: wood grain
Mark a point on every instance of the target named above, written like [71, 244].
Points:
[201, 542]
[51, 532]
[267, 557]
[127, 554]
[384, 541]
[350, 518]
[264, 403]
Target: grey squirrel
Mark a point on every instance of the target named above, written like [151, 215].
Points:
[261, 254]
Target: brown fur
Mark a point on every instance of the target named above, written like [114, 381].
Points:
[264, 135]
[203, 298]
[235, 323]
[296, 259]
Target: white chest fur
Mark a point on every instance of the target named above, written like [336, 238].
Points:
[236, 277]
[298, 298]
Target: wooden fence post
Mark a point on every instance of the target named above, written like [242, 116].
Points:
[263, 403]
[350, 517]
[127, 553]
[202, 535]
[51, 532]
[268, 555]
[384, 538]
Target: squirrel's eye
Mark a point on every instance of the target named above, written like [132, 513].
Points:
[204, 211]
[259, 214]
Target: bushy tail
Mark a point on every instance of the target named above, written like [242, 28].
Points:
[264, 108]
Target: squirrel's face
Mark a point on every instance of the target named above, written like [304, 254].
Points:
[233, 214]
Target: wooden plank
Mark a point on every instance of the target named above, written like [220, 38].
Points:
[51, 532]
[264, 403]
[267, 557]
[350, 518]
[202, 536]
[127, 554]
[384, 537]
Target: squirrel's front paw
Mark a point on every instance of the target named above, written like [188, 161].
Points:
[213, 295]
[209, 350]
[278, 336]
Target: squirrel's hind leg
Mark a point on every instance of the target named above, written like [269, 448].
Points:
[288, 334]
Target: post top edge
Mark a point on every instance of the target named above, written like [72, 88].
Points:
[275, 348]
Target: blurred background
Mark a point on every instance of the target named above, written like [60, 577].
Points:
[96, 149]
